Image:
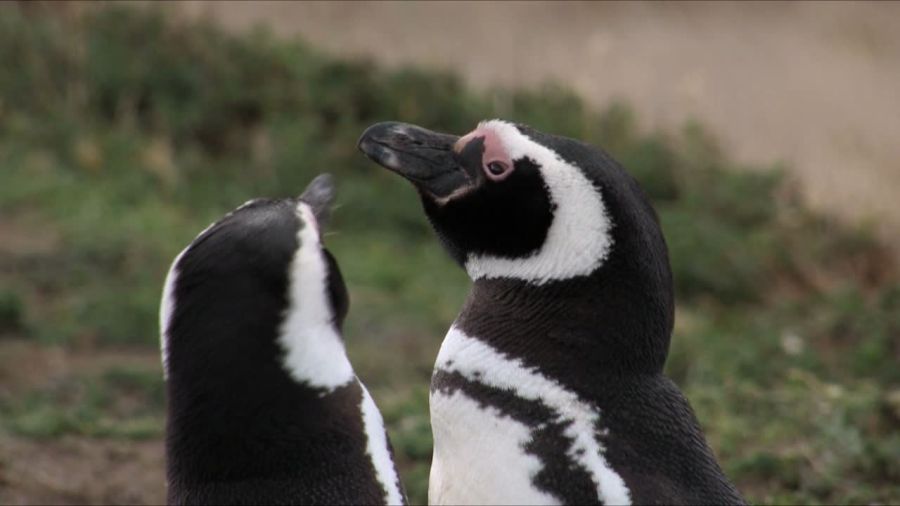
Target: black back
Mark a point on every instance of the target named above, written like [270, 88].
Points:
[240, 430]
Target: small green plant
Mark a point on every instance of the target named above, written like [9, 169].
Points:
[11, 309]
[118, 403]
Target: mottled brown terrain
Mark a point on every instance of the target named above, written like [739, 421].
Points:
[73, 469]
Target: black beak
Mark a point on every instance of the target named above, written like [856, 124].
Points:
[319, 194]
[425, 158]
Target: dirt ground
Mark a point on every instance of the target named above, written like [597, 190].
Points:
[80, 470]
[73, 469]
[812, 84]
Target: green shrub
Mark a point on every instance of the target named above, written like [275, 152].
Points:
[11, 312]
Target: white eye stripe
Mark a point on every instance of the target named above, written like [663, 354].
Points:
[579, 238]
[314, 352]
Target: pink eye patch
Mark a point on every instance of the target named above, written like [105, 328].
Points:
[495, 161]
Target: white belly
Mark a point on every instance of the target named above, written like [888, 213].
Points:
[479, 456]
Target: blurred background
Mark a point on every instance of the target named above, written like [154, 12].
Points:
[768, 137]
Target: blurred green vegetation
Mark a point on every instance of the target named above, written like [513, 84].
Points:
[123, 133]
[116, 403]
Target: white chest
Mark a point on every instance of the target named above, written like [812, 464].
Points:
[480, 452]
[479, 455]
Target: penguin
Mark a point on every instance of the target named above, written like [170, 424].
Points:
[549, 386]
[263, 404]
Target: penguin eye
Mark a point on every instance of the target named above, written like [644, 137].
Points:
[497, 170]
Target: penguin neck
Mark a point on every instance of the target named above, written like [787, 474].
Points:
[607, 324]
[251, 394]
[241, 414]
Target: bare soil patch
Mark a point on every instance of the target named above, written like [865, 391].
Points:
[77, 470]
[73, 469]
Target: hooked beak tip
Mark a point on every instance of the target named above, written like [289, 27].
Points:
[427, 159]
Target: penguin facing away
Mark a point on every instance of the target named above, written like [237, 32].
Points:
[549, 386]
[263, 404]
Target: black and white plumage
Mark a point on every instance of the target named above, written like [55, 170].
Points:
[548, 387]
[263, 404]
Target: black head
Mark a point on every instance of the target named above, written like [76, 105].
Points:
[263, 404]
[238, 292]
[514, 204]
[242, 390]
